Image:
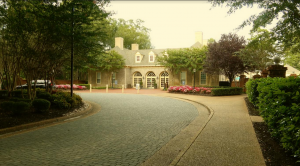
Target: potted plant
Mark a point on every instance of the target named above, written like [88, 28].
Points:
[155, 84]
[141, 84]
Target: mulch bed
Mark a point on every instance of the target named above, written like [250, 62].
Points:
[273, 153]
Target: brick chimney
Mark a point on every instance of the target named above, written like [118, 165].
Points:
[134, 47]
[119, 42]
[199, 37]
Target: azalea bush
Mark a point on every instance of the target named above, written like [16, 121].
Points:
[190, 89]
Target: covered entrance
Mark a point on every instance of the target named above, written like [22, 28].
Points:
[164, 78]
[137, 78]
[150, 80]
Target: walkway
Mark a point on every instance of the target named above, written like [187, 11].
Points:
[128, 130]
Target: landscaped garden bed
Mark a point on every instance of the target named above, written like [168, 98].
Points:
[206, 91]
[16, 110]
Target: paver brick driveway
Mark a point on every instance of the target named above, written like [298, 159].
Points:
[128, 130]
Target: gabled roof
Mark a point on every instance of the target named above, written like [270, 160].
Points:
[197, 44]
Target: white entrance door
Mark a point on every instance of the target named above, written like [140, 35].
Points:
[164, 78]
[150, 80]
[137, 78]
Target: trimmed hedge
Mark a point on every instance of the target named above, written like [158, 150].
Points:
[226, 91]
[41, 105]
[41, 94]
[63, 100]
[3, 94]
[278, 100]
[16, 107]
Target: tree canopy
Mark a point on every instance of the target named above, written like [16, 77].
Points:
[185, 58]
[221, 57]
[287, 13]
[259, 50]
[36, 36]
[133, 32]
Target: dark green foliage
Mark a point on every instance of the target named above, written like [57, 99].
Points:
[279, 104]
[3, 94]
[226, 91]
[252, 92]
[63, 100]
[16, 99]
[43, 95]
[41, 105]
[16, 107]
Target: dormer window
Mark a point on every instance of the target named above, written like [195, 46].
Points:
[138, 57]
[151, 57]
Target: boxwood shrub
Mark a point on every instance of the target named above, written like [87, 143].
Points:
[278, 100]
[226, 91]
[41, 94]
[63, 100]
[41, 105]
[16, 107]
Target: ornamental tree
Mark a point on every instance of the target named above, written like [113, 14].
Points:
[221, 57]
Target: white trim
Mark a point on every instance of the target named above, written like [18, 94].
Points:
[151, 54]
[185, 81]
[97, 78]
[200, 78]
[135, 57]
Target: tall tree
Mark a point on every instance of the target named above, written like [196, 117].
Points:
[287, 12]
[260, 50]
[221, 57]
[45, 31]
[185, 58]
[133, 32]
[110, 61]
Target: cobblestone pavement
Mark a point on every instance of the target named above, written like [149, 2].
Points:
[128, 130]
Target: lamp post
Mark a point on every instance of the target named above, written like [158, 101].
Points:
[72, 51]
[194, 77]
[164, 79]
[112, 80]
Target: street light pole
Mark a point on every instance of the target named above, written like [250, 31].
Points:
[112, 80]
[164, 79]
[194, 77]
[72, 51]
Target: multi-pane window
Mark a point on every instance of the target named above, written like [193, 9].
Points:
[138, 58]
[202, 78]
[98, 79]
[183, 78]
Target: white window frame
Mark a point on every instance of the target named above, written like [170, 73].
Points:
[153, 55]
[136, 56]
[200, 80]
[185, 77]
[98, 78]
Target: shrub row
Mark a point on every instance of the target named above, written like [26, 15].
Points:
[60, 100]
[86, 85]
[227, 91]
[278, 100]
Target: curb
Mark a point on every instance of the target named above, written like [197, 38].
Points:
[170, 151]
[6, 132]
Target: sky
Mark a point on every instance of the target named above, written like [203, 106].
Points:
[173, 23]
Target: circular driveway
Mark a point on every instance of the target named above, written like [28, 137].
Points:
[128, 130]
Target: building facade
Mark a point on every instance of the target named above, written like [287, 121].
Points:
[142, 66]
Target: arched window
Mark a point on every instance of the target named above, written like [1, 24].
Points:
[137, 78]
